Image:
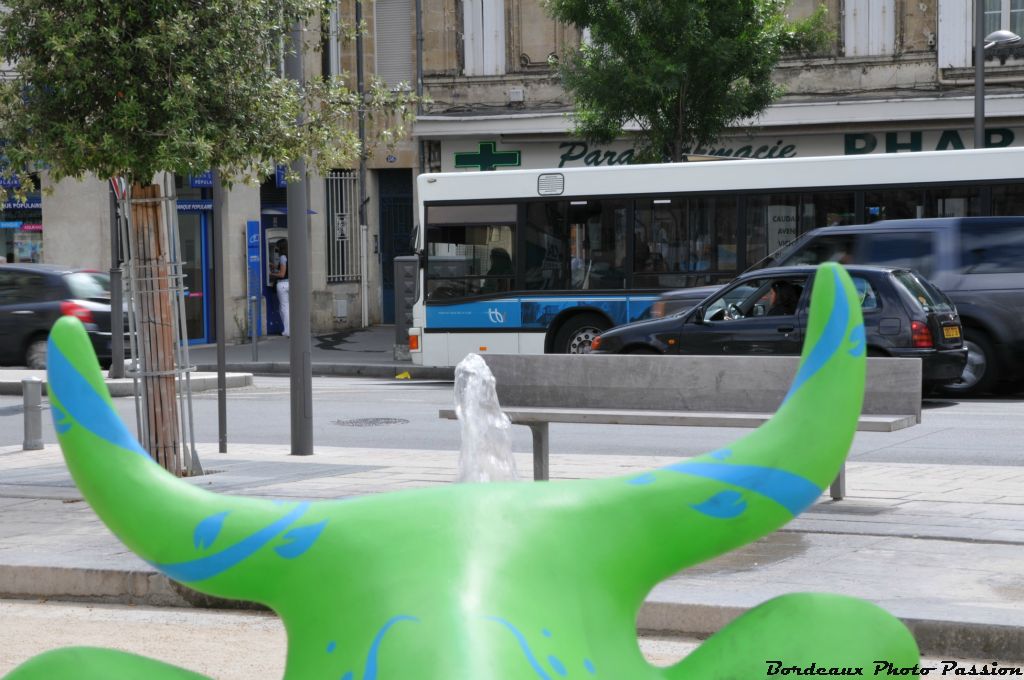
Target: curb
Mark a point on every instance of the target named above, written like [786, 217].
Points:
[344, 370]
[935, 638]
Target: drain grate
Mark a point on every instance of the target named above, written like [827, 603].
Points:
[371, 422]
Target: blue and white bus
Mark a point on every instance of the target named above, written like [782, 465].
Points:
[541, 261]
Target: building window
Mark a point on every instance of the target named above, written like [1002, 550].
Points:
[869, 27]
[1004, 14]
[483, 32]
[393, 42]
[956, 27]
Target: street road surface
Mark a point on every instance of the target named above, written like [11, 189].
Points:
[387, 413]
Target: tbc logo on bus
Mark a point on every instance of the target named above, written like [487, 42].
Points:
[495, 315]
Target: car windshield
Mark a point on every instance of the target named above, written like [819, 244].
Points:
[929, 297]
[89, 285]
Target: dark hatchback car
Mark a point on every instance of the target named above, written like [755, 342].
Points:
[34, 296]
[765, 312]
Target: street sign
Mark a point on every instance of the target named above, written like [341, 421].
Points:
[253, 250]
[202, 180]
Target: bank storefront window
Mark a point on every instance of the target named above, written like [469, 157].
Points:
[21, 229]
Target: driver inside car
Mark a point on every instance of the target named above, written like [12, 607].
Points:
[785, 296]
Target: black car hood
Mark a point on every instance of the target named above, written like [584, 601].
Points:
[646, 326]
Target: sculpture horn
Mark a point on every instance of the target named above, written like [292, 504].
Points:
[190, 534]
[750, 488]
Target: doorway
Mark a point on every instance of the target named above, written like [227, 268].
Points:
[193, 228]
[395, 188]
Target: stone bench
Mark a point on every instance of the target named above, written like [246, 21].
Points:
[687, 391]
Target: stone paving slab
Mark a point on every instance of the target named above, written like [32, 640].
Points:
[940, 546]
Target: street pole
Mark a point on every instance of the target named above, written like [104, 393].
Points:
[299, 279]
[979, 74]
[364, 285]
[220, 213]
[116, 290]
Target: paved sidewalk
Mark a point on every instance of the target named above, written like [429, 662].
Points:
[365, 352]
[368, 352]
[942, 547]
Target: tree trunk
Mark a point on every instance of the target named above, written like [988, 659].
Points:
[677, 143]
[155, 327]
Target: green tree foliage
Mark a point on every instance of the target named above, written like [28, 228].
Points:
[132, 88]
[681, 70]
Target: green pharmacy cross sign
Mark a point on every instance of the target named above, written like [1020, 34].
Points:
[487, 158]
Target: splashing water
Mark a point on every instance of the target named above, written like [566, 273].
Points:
[486, 451]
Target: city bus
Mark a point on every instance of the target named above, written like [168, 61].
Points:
[541, 261]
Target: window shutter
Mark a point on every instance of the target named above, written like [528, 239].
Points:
[393, 42]
[870, 27]
[483, 23]
[955, 33]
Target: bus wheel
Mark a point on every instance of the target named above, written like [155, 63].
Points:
[980, 373]
[575, 336]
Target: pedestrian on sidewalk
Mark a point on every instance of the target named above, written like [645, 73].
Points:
[280, 275]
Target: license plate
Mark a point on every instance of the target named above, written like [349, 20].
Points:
[950, 332]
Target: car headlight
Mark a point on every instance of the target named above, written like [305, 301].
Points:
[595, 344]
[658, 309]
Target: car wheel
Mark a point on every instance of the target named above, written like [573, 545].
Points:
[980, 372]
[35, 354]
[575, 336]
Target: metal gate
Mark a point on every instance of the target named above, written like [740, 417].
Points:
[343, 233]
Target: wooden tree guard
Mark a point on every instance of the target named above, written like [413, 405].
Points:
[155, 327]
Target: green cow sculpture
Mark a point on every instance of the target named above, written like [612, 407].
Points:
[505, 581]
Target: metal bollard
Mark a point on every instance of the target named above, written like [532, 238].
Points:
[253, 302]
[32, 399]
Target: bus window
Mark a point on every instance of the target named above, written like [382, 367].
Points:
[660, 244]
[1008, 199]
[599, 230]
[548, 247]
[827, 209]
[896, 204]
[463, 261]
[954, 202]
[711, 235]
[771, 223]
